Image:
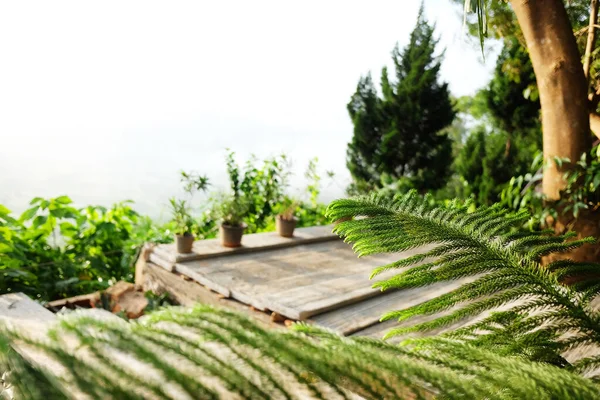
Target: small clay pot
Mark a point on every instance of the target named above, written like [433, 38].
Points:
[231, 236]
[285, 227]
[184, 243]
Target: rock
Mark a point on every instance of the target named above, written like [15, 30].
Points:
[122, 297]
[132, 304]
[119, 289]
[275, 317]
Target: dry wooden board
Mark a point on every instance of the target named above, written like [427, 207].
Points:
[210, 248]
[161, 262]
[361, 315]
[189, 293]
[296, 282]
[17, 306]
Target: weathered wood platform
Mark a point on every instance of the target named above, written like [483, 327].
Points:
[314, 277]
[17, 306]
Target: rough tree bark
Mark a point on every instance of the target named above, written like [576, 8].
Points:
[561, 82]
[566, 115]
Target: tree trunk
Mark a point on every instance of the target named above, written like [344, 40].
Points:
[561, 82]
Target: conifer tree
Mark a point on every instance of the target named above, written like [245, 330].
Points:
[399, 135]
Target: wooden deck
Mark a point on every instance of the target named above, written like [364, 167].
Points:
[313, 277]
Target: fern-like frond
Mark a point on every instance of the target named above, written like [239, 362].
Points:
[497, 263]
[205, 352]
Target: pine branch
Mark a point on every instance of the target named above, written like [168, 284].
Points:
[211, 353]
[485, 245]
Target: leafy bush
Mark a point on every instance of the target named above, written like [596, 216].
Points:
[55, 250]
[582, 191]
[310, 212]
[255, 190]
[257, 193]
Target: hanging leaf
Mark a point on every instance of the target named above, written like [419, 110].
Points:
[30, 213]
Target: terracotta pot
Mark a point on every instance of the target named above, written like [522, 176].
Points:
[231, 236]
[285, 227]
[184, 243]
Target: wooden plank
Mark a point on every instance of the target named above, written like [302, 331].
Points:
[203, 249]
[143, 257]
[359, 316]
[19, 307]
[189, 293]
[161, 262]
[202, 279]
[378, 331]
[381, 329]
[247, 278]
[296, 282]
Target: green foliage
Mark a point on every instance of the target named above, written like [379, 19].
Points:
[255, 191]
[508, 136]
[583, 184]
[157, 301]
[229, 209]
[56, 250]
[264, 187]
[182, 222]
[194, 182]
[401, 134]
[512, 95]
[581, 193]
[488, 161]
[499, 18]
[484, 17]
[498, 267]
[311, 212]
[286, 209]
[262, 191]
[181, 216]
[210, 353]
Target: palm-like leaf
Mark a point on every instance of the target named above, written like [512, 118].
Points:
[479, 7]
[486, 246]
[210, 353]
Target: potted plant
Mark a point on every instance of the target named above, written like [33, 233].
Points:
[286, 221]
[232, 210]
[183, 225]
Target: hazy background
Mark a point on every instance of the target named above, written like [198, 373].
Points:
[107, 101]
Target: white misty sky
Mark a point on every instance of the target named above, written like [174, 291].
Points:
[108, 100]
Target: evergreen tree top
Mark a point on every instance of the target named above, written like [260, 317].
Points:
[399, 136]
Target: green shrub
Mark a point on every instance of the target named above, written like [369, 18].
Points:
[55, 250]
